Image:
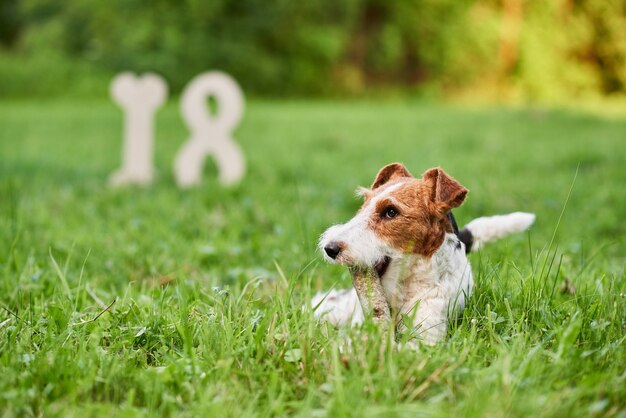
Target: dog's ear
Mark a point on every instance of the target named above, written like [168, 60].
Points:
[390, 172]
[445, 191]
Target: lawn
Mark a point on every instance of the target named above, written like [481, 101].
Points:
[157, 301]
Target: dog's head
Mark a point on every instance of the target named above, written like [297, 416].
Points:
[400, 215]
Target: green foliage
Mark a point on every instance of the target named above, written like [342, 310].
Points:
[206, 286]
[272, 47]
[49, 74]
[509, 50]
[9, 22]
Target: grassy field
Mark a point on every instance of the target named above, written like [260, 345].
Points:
[204, 288]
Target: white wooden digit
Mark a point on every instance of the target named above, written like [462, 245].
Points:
[210, 134]
[139, 97]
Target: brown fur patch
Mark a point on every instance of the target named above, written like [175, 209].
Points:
[421, 205]
[389, 173]
[445, 190]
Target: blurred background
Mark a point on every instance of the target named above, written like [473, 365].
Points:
[522, 101]
[335, 90]
[483, 50]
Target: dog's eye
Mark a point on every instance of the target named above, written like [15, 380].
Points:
[390, 212]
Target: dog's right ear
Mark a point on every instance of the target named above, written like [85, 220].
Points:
[390, 172]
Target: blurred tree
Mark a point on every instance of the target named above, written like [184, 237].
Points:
[500, 48]
[9, 22]
[606, 47]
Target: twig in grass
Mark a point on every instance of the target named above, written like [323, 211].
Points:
[427, 382]
[167, 279]
[567, 287]
[95, 297]
[97, 316]
[434, 376]
[160, 280]
[16, 315]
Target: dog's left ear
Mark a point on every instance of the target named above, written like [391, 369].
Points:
[390, 172]
[445, 191]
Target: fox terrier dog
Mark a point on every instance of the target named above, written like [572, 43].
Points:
[406, 236]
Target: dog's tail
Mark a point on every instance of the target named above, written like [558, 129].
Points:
[490, 228]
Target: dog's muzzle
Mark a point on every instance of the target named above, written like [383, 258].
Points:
[335, 249]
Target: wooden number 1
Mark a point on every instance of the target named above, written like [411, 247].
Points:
[139, 97]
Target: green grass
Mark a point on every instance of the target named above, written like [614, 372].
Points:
[207, 285]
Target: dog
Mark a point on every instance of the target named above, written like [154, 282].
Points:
[405, 232]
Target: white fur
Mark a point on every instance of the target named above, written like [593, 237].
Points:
[339, 307]
[490, 228]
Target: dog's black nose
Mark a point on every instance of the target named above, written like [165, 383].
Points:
[333, 249]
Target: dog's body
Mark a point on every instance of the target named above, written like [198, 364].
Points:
[405, 233]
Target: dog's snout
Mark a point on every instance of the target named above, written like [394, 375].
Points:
[332, 249]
